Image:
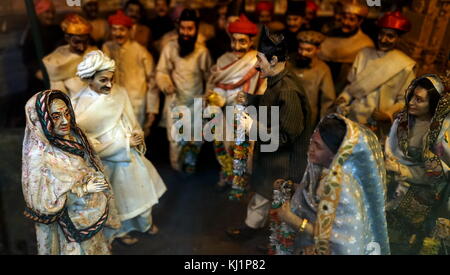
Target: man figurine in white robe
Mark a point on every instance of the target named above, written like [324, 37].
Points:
[62, 63]
[231, 78]
[342, 45]
[182, 71]
[314, 74]
[379, 78]
[135, 70]
[118, 139]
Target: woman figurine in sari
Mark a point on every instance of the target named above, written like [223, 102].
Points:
[64, 187]
[339, 207]
[416, 151]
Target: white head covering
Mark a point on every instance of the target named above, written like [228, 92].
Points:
[94, 62]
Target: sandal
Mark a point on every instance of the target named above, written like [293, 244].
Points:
[153, 230]
[128, 240]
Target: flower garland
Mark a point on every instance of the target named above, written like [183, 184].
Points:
[240, 156]
[225, 161]
[282, 236]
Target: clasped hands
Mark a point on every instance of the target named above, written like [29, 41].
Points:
[136, 139]
[95, 183]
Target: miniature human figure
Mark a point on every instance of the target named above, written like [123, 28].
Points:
[64, 187]
[52, 37]
[310, 19]
[162, 23]
[232, 76]
[62, 63]
[183, 68]
[417, 153]
[135, 70]
[264, 11]
[100, 26]
[118, 139]
[294, 24]
[284, 90]
[342, 45]
[139, 32]
[220, 43]
[379, 78]
[339, 207]
[314, 73]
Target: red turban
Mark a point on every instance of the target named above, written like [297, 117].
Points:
[395, 20]
[311, 5]
[42, 6]
[264, 6]
[120, 18]
[243, 25]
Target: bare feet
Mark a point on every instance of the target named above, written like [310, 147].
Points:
[153, 230]
[128, 240]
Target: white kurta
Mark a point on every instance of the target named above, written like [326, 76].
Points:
[135, 72]
[378, 81]
[188, 75]
[61, 67]
[136, 183]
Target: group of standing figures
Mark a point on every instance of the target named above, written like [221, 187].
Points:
[362, 165]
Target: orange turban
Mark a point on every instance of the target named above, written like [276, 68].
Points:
[120, 18]
[243, 25]
[41, 6]
[76, 25]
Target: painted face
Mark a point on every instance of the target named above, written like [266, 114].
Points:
[102, 82]
[187, 30]
[265, 17]
[60, 115]
[91, 10]
[419, 105]
[78, 43]
[120, 34]
[47, 17]
[387, 39]
[161, 8]
[134, 12]
[307, 50]
[294, 22]
[262, 65]
[310, 15]
[241, 44]
[318, 151]
[350, 22]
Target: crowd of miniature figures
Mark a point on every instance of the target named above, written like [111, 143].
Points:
[362, 164]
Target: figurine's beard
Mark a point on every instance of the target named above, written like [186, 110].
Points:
[187, 46]
[303, 62]
[340, 33]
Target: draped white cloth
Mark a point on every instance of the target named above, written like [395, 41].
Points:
[51, 179]
[61, 67]
[136, 183]
[378, 81]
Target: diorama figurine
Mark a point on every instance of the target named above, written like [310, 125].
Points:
[288, 161]
[183, 68]
[339, 207]
[64, 187]
[342, 45]
[62, 63]
[118, 139]
[417, 153]
[315, 74]
[135, 70]
[379, 78]
[231, 78]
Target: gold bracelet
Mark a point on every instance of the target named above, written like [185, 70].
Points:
[303, 225]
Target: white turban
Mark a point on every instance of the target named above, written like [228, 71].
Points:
[94, 62]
